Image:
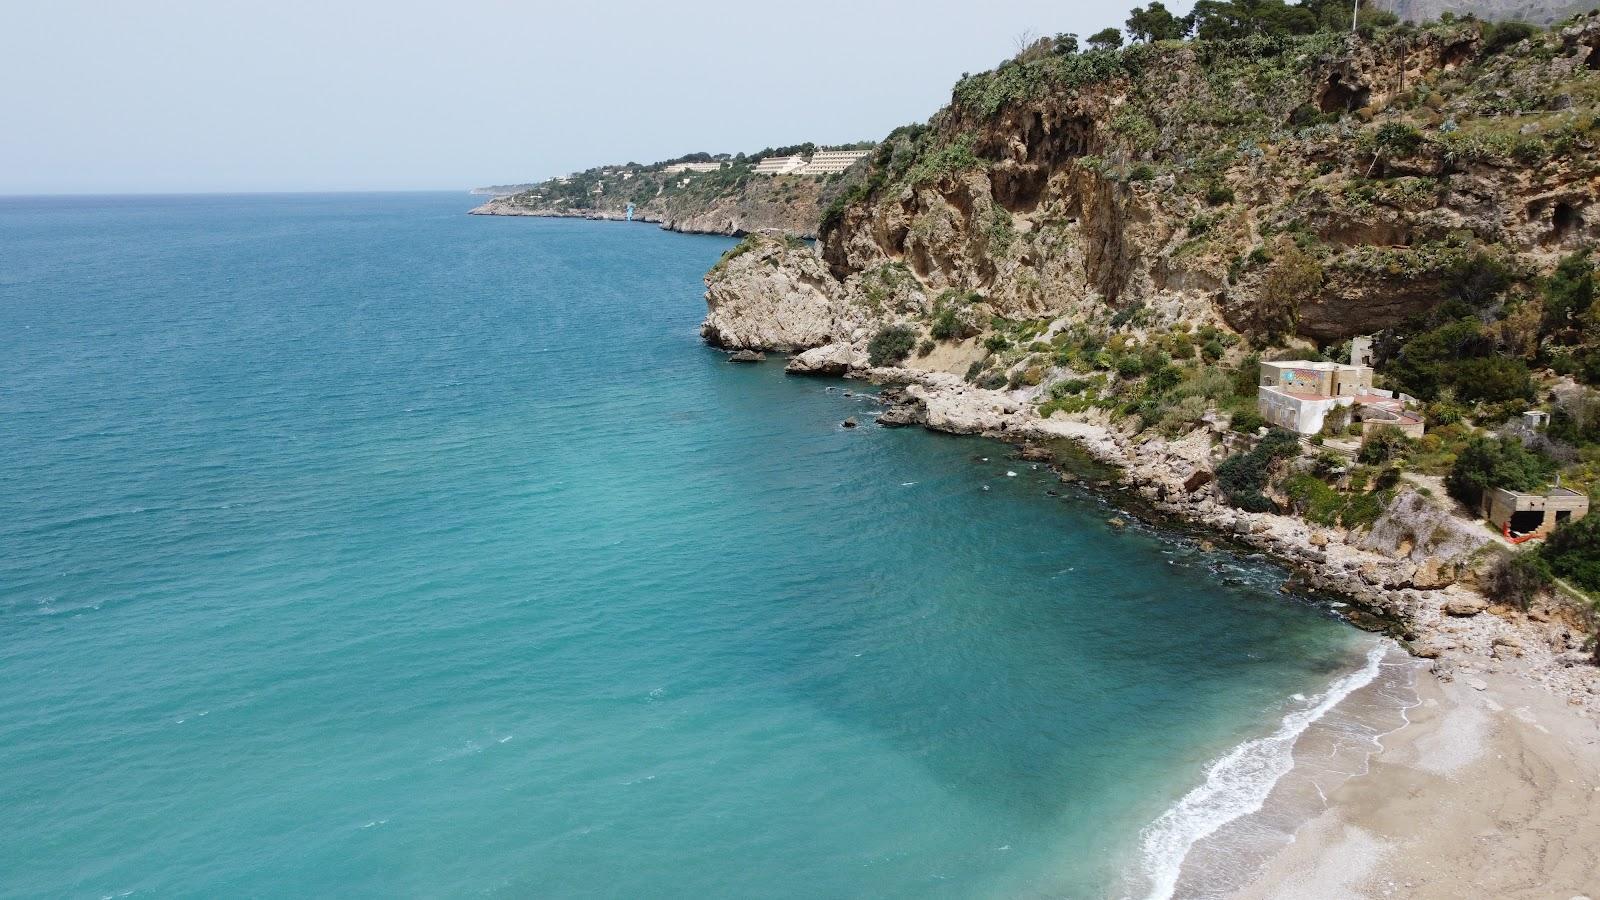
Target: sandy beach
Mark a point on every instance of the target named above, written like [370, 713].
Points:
[1492, 790]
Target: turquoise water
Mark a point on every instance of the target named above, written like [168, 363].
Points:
[352, 545]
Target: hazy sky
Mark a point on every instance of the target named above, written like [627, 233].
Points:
[212, 95]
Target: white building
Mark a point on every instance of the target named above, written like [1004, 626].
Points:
[675, 168]
[832, 162]
[1298, 394]
[780, 165]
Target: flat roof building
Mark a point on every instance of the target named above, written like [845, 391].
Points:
[1298, 394]
[675, 168]
[1522, 516]
[780, 165]
[832, 162]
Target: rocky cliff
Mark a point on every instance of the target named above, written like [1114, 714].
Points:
[1317, 187]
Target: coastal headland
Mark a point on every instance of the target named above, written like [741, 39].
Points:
[780, 191]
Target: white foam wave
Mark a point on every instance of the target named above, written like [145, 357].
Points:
[1237, 784]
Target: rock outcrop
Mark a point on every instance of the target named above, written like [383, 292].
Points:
[832, 360]
[775, 295]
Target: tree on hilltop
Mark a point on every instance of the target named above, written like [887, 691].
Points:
[1106, 39]
[1157, 23]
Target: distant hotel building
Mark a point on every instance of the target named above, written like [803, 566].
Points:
[833, 162]
[780, 165]
[675, 168]
[823, 162]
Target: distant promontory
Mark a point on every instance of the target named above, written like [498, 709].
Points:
[775, 191]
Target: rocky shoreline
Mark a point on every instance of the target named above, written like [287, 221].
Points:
[1409, 577]
[726, 216]
[690, 226]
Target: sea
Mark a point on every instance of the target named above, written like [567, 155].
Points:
[354, 546]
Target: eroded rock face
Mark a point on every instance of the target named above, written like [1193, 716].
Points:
[776, 296]
[1051, 217]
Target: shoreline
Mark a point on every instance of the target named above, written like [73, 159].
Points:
[1486, 792]
[495, 207]
[1487, 785]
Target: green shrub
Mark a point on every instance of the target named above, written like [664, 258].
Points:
[1497, 38]
[1243, 476]
[1520, 578]
[1397, 139]
[1385, 443]
[995, 343]
[1219, 194]
[1569, 291]
[1486, 463]
[1573, 552]
[1247, 421]
[891, 345]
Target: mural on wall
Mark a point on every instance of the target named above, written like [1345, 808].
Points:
[1303, 379]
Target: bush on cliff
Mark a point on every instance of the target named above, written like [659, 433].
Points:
[1386, 442]
[1486, 463]
[1573, 552]
[1460, 357]
[891, 345]
[1243, 477]
[1498, 38]
[1569, 292]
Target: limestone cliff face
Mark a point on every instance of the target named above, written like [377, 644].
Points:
[776, 295]
[1322, 187]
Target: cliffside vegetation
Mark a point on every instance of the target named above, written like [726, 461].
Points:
[1127, 230]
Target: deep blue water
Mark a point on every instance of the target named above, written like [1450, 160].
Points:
[352, 545]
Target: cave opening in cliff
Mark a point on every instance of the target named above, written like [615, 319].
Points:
[1338, 97]
[1457, 55]
[1564, 220]
[1593, 59]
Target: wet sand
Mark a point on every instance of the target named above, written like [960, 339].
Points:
[1491, 793]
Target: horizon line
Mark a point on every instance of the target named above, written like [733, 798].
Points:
[4, 195]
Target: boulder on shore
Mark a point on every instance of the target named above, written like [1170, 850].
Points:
[832, 359]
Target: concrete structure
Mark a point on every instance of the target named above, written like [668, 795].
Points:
[832, 162]
[1535, 419]
[1524, 517]
[1361, 351]
[1323, 379]
[1374, 412]
[780, 165]
[675, 168]
[1299, 394]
